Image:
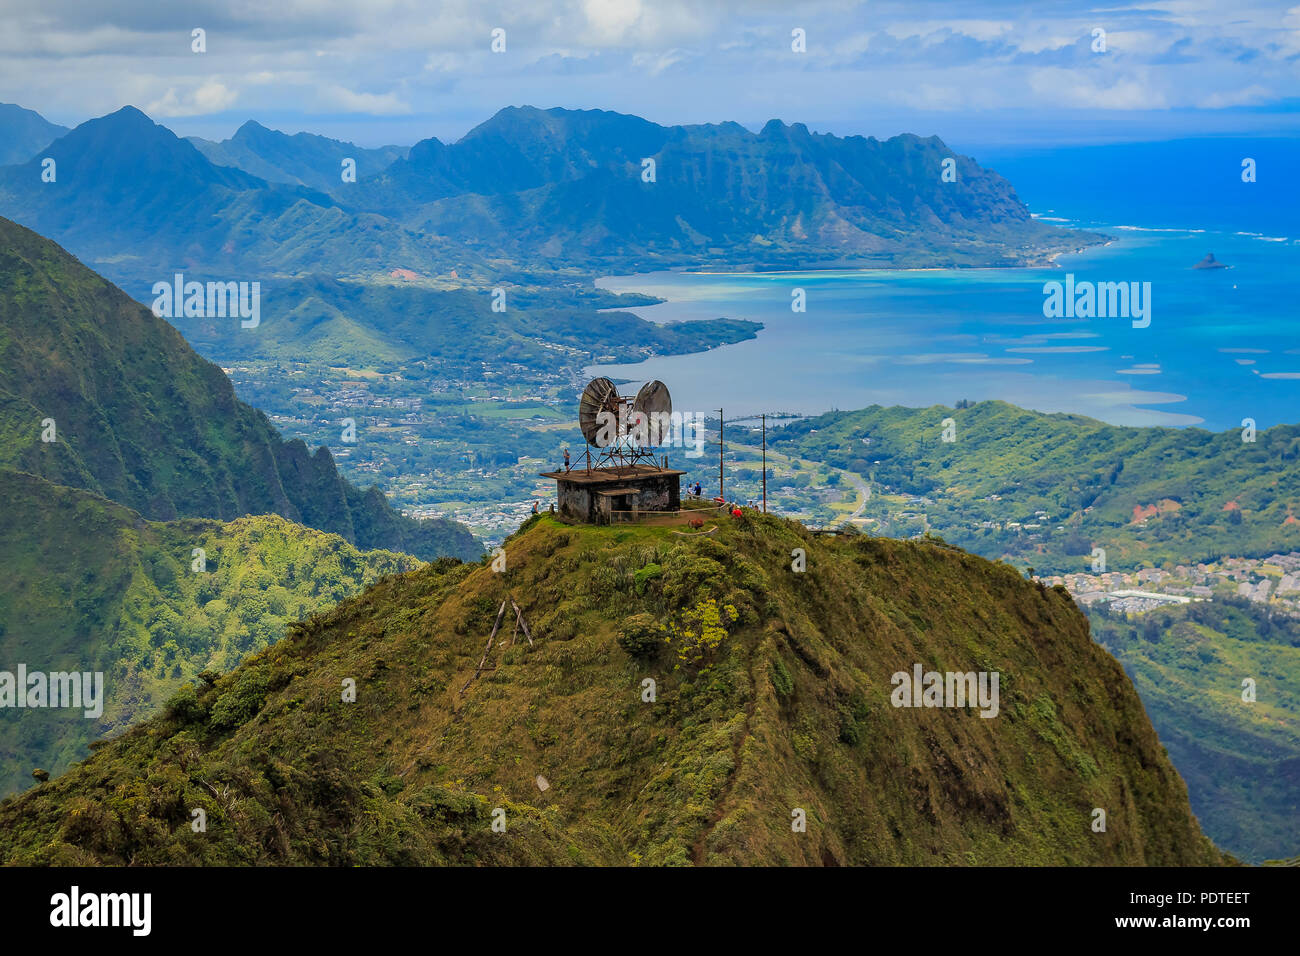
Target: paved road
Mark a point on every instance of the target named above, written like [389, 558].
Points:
[862, 487]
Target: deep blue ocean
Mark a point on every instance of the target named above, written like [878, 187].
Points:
[1222, 345]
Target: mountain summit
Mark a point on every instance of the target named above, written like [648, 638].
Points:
[675, 699]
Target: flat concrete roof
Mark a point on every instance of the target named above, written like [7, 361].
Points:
[600, 476]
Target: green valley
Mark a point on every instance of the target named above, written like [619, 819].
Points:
[1240, 758]
[88, 585]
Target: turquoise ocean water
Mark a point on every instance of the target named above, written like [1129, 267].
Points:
[1222, 345]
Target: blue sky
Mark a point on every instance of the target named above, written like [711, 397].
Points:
[979, 74]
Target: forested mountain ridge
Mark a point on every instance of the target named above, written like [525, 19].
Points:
[1046, 489]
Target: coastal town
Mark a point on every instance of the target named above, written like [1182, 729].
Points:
[1272, 581]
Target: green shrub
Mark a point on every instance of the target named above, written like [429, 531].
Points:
[640, 635]
[853, 715]
[242, 701]
[452, 807]
[604, 581]
[782, 682]
[698, 632]
[184, 707]
[688, 577]
[644, 576]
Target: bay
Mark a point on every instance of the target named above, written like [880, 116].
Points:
[1222, 344]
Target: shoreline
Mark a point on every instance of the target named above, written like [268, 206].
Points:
[1049, 262]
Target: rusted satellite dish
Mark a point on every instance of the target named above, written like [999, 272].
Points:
[654, 402]
[600, 395]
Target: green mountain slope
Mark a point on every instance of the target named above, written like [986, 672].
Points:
[1145, 495]
[1149, 497]
[88, 585]
[1241, 760]
[771, 701]
[140, 418]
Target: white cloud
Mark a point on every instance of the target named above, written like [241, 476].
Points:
[1244, 97]
[1074, 88]
[429, 68]
[337, 98]
[210, 97]
[658, 62]
[978, 29]
[610, 20]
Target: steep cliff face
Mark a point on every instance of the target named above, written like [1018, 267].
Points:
[137, 416]
[683, 700]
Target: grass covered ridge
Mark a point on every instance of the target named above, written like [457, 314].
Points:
[787, 709]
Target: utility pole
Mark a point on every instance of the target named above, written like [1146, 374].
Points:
[721, 494]
[764, 463]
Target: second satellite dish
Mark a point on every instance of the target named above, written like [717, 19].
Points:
[656, 404]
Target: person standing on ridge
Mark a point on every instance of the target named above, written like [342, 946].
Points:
[566, 459]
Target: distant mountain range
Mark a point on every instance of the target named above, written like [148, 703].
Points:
[536, 188]
[23, 133]
[303, 159]
[139, 204]
[571, 186]
[97, 392]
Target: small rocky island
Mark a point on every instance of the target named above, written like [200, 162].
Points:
[1209, 262]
